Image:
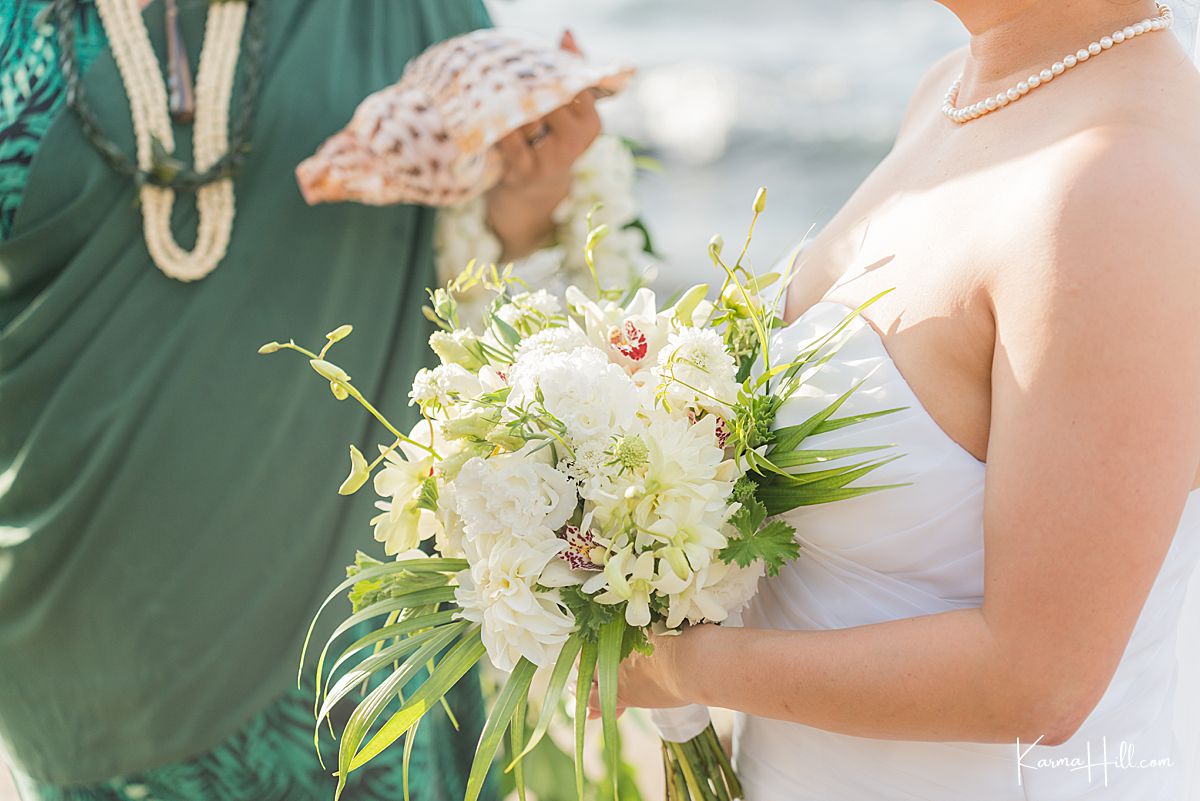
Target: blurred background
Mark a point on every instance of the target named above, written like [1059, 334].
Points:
[803, 96]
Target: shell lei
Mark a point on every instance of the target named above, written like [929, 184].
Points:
[429, 138]
[147, 93]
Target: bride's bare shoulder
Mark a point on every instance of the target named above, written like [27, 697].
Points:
[1111, 223]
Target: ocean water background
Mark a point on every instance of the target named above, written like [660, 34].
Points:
[803, 96]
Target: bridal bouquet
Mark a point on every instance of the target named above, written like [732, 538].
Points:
[585, 473]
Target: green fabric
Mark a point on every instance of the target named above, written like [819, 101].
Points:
[272, 759]
[168, 514]
[32, 88]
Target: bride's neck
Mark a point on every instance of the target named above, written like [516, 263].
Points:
[1010, 40]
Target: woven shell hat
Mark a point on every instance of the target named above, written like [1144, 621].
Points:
[430, 137]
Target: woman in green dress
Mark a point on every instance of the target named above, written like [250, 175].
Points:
[168, 520]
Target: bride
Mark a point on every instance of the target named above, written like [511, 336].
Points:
[1004, 625]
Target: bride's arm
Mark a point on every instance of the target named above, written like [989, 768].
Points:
[1094, 441]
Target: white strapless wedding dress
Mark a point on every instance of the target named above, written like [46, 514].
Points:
[918, 550]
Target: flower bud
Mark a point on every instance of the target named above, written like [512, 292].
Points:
[688, 303]
[339, 333]
[270, 347]
[715, 246]
[330, 371]
[457, 347]
[477, 425]
[359, 473]
[760, 200]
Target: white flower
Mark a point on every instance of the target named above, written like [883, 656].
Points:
[459, 347]
[687, 532]
[499, 591]
[715, 593]
[402, 525]
[552, 340]
[630, 336]
[511, 496]
[443, 386]
[590, 395]
[530, 312]
[633, 578]
[696, 372]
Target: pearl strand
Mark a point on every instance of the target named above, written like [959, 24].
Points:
[146, 89]
[963, 115]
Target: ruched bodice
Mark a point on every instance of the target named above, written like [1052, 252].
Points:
[917, 549]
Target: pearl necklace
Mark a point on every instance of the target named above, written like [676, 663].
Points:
[147, 93]
[973, 112]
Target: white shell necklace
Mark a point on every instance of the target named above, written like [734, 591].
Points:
[973, 112]
[147, 92]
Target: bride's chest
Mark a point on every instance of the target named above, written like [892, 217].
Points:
[931, 246]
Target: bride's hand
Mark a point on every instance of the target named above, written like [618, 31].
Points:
[654, 681]
[537, 172]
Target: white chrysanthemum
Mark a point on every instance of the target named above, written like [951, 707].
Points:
[443, 386]
[696, 372]
[552, 340]
[588, 461]
[499, 591]
[715, 593]
[511, 495]
[590, 395]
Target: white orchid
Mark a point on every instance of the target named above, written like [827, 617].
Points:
[714, 593]
[633, 578]
[631, 335]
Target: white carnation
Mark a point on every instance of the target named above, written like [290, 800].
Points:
[590, 395]
[552, 340]
[499, 591]
[512, 495]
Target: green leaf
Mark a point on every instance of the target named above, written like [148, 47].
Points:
[509, 333]
[517, 744]
[775, 544]
[370, 708]
[377, 661]
[608, 659]
[400, 602]
[457, 662]
[789, 438]
[589, 616]
[391, 631]
[383, 569]
[781, 499]
[800, 458]
[583, 692]
[842, 422]
[515, 690]
[554, 690]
